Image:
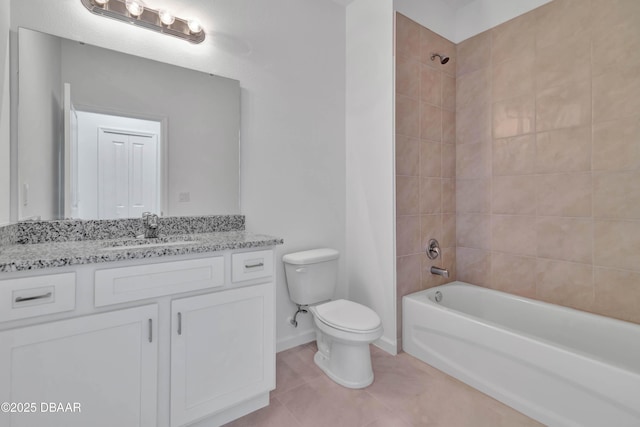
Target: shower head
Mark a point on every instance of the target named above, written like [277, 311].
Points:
[443, 59]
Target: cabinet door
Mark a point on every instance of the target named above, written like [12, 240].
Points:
[98, 370]
[222, 351]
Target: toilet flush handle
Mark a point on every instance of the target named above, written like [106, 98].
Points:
[301, 270]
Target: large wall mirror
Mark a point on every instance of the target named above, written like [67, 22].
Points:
[102, 134]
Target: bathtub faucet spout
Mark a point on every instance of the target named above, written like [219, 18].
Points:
[440, 272]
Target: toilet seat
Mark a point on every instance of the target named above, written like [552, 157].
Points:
[347, 316]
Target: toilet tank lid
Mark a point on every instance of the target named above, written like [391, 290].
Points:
[311, 257]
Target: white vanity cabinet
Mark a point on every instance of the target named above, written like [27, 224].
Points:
[163, 342]
[222, 351]
[98, 370]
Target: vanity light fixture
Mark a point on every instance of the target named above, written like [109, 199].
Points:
[136, 13]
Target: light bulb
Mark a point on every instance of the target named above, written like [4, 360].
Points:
[135, 7]
[101, 2]
[194, 26]
[166, 17]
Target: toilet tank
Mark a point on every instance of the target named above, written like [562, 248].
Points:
[311, 275]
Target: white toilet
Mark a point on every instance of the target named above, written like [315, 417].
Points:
[344, 328]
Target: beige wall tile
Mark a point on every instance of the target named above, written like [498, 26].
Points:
[514, 234]
[616, 144]
[407, 195]
[431, 86]
[473, 160]
[514, 116]
[408, 274]
[563, 106]
[514, 195]
[407, 155]
[563, 62]
[616, 195]
[449, 195]
[473, 231]
[430, 122]
[407, 234]
[474, 88]
[617, 294]
[473, 266]
[613, 50]
[448, 160]
[564, 150]
[514, 78]
[616, 95]
[474, 53]
[430, 195]
[568, 239]
[617, 244]
[565, 283]
[473, 195]
[407, 76]
[448, 127]
[448, 231]
[430, 159]
[430, 228]
[448, 92]
[407, 116]
[514, 274]
[407, 37]
[473, 124]
[514, 38]
[565, 194]
[514, 156]
[561, 19]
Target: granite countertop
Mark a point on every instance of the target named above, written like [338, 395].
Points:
[33, 245]
[20, 257]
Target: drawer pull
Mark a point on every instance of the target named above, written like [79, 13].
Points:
[24, 299]
[150, 330]
[260, 264]
[179, 323]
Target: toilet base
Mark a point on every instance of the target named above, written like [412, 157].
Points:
[348, 364]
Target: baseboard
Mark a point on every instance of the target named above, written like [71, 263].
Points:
[390, 346]
[291, 342]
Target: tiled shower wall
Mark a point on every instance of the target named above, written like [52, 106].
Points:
[548, 156]
[425, 157]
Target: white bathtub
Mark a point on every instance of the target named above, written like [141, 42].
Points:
[559, 366]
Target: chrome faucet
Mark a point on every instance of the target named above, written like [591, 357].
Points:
[150, 222]
[440, 272]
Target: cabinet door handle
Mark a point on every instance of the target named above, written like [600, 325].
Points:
[179, 323]
[260, 264]
[150, 330]
[24, 299]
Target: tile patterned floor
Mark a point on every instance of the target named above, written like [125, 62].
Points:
[405, 393]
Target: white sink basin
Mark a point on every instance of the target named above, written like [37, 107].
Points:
[141, 243]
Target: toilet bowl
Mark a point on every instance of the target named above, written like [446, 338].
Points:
[344, 331]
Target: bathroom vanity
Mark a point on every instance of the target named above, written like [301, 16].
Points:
[120, 332]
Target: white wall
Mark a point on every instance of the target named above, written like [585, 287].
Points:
[457, 25]
[370, 161]
[289, 56]
[4, 112]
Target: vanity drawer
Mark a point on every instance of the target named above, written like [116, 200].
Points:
[251, 265]
[36, 296]
[117, 285]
